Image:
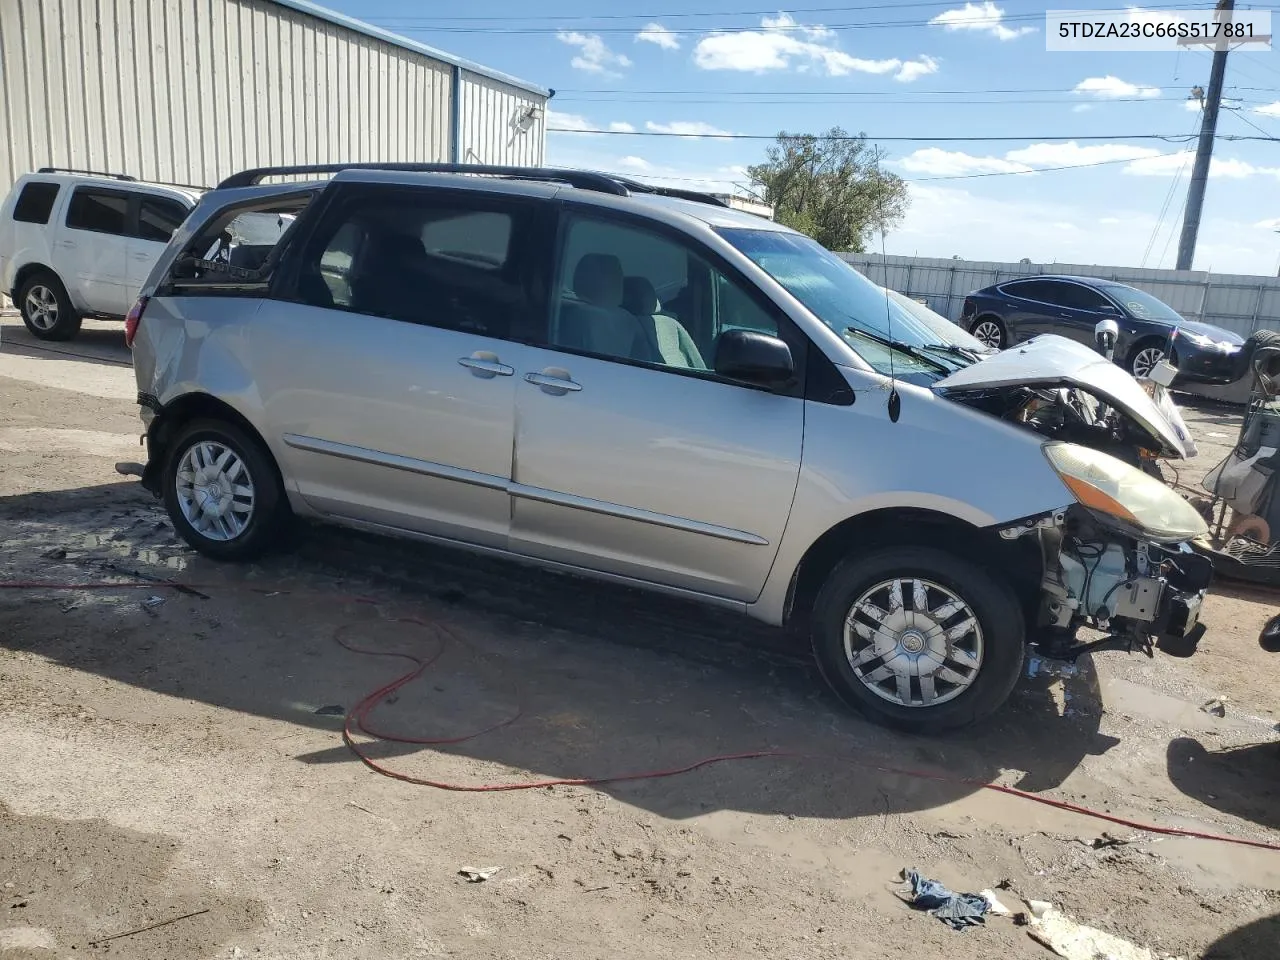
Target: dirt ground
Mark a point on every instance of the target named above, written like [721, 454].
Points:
[175, 759]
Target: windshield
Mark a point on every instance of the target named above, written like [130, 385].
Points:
[1140, 304]
[940, 326]
[843, 299]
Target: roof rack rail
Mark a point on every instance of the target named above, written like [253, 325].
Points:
[90, 173]
[582, 179]
[696, 196]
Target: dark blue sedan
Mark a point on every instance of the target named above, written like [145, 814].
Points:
[1016, 310]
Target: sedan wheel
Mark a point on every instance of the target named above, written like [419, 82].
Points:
[1145, 360]
[990, 333]
[913, 642]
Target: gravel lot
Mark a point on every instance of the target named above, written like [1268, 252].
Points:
[176, 759]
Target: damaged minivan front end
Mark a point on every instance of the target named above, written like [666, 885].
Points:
[1116, 561]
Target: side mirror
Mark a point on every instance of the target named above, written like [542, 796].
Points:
[755, 358]
[1105, 334]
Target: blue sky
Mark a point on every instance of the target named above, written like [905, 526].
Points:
[929, 69]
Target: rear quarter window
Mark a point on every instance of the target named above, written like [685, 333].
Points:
[35, 202]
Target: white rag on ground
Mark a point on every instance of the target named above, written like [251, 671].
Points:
[1075, 941]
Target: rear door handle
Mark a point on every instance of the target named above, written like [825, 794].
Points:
[142, 256]
[556, 385]
[67, 243]
[486, 366]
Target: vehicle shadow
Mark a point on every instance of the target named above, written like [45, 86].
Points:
[100, 342]
[606, 681]
[1241, 781]
[1259, 940]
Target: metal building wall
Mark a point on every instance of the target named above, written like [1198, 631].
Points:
[188, 91]
[1236, 302]
[500, 124]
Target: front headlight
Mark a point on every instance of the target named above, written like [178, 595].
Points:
[1112, 489]
[1199, 339]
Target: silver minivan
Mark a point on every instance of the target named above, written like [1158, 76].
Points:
[640, 384]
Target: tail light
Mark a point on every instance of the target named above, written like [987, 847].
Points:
[969, 307]
[131, 321]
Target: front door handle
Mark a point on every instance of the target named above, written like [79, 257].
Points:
[556, 383]
[485, 365]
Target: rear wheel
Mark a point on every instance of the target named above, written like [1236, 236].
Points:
[223, 492]
[46, 309]
[990, 331]
[918, 639]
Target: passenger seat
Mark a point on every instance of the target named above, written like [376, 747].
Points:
[666, 334]
[595, 320]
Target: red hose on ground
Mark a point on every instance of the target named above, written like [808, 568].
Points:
[357, 719]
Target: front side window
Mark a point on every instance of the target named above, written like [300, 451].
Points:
[422, 259]
[878, 329]
[35, 202]
[100, 211]
[1077, 297]
[628, 293]
[158, 217]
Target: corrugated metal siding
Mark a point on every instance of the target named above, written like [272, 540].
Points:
[189, 91]
[496, 124]
[1236, 302]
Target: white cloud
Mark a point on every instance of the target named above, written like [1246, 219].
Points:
[1082, 108]
[1270, 110]
[1272, 224]
[783, 44]
[1109, 87]
[619, 126]
[686, 128]
[1110, 221]
[575, 122]
[1071, 153]
[656, 33]
[983, 17]
[594, 56]
[942, 221]
[635, 163]
[952, 163]
[915, 69]
[1191, 106]
[1168, 164]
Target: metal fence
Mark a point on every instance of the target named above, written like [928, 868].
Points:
[1237, 302]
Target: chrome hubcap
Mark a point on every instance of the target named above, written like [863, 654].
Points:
[41, 307]
[1146, 361]
[913, 642]
[988, 331]
[215, 490]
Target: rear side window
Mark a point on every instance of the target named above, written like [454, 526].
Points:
[420, 258]
[236, 250]
[35, 202]
[101, 211]
[158, 218]
[1042, 291]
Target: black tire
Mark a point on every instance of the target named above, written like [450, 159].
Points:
[994, 605]
[1150, 343]
[43, 286]
[995, 322]
[270, 513]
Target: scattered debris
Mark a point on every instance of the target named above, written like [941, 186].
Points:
[957, 910]
[1217, 706]
[994, 905]
[57, 553]
[153, 601]
[153, 926]
[1042, 667]
[333, 710]
[473, 875]
[1075, 941]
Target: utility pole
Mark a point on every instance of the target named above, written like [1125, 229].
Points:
[1204, 150]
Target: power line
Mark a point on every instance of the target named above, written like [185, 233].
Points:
[883, 99]
[857, 93]
[1167, 137]
[672, 14]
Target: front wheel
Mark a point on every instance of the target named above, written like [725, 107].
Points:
[990, 331]
[918, 639]
[222, 491]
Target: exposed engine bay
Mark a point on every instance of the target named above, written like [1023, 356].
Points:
[1072, 415]
[1140, 594]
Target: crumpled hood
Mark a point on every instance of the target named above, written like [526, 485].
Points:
[1053, 361]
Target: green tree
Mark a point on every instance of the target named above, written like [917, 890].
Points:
[832, 187]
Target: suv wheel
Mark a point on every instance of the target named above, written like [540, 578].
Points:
[46, 309]
[990, 331]
[918, 639]
[222, 491]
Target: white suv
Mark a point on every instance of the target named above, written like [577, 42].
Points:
[76, 245]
